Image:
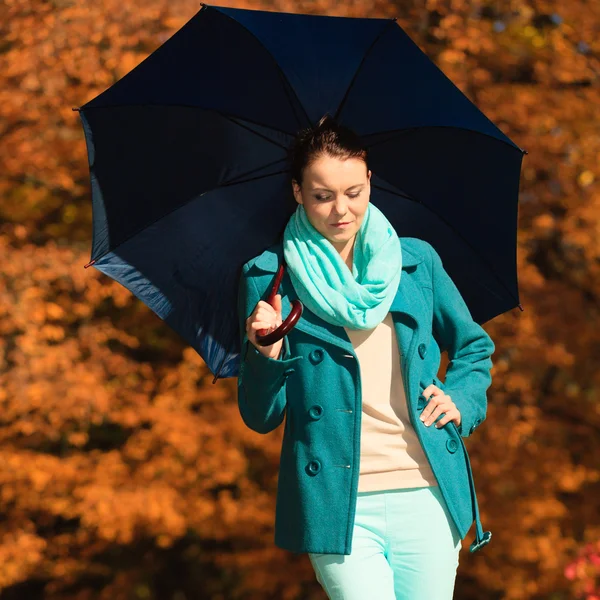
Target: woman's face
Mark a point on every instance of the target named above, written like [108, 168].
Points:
[335, 191]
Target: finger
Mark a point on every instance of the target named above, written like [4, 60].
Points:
[451, 415]
[266, 313]
[261, 325]
[263, 308]
[446, 410]
[277, 304]
[266, 306]
[430, 406]
[432, 389]
[434, 409]
[259, 322]
[434, 415]
[447, 417]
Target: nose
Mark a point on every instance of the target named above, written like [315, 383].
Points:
[339, 208]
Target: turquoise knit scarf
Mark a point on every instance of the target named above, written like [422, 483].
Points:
[323, 282]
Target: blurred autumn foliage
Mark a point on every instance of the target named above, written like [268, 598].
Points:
[126, 474]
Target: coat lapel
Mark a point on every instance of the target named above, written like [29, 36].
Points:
[405, 306]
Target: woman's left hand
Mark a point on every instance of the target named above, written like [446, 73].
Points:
[438, 404]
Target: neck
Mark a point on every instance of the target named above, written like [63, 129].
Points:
[346, 251]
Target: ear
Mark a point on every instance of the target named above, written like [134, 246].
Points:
[296, 192]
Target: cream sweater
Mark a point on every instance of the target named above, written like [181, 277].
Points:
[391, 455]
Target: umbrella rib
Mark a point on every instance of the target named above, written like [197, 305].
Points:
[234, 182]
[460, 236]
[223, 114]
[404, 130]
[168, 212]
[287, 87]
[395, 193]
[233, 119]
[383, 30]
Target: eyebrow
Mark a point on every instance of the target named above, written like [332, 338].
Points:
[350, 188]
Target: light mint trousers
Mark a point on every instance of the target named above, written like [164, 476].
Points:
[405, 547]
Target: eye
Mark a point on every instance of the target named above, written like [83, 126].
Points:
[327, 197]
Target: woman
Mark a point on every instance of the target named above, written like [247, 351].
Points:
[378, 495]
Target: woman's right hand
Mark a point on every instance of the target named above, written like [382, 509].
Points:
[266, 317]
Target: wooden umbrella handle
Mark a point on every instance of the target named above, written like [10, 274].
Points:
[267, 339]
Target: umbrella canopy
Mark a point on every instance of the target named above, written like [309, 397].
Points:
[188, 159]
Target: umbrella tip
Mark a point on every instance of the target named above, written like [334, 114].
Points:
[89, 264]
[521, 307]
[76, 108]
[524, 151]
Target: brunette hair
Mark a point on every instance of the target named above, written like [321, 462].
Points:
[326, 138]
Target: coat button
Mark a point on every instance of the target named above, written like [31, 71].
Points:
[477, 421]
[452, 446]
[316, 356]
[421, 402]
[289, 371]
[316, 412]
[313, 467]
[422, 350]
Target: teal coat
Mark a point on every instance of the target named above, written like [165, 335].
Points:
[315, 385]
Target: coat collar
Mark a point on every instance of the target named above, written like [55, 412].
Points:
[407, 302]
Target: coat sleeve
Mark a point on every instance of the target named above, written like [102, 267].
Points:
[469, 349]
[261, 380]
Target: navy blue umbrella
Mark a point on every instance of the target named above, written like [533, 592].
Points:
[188, 159]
